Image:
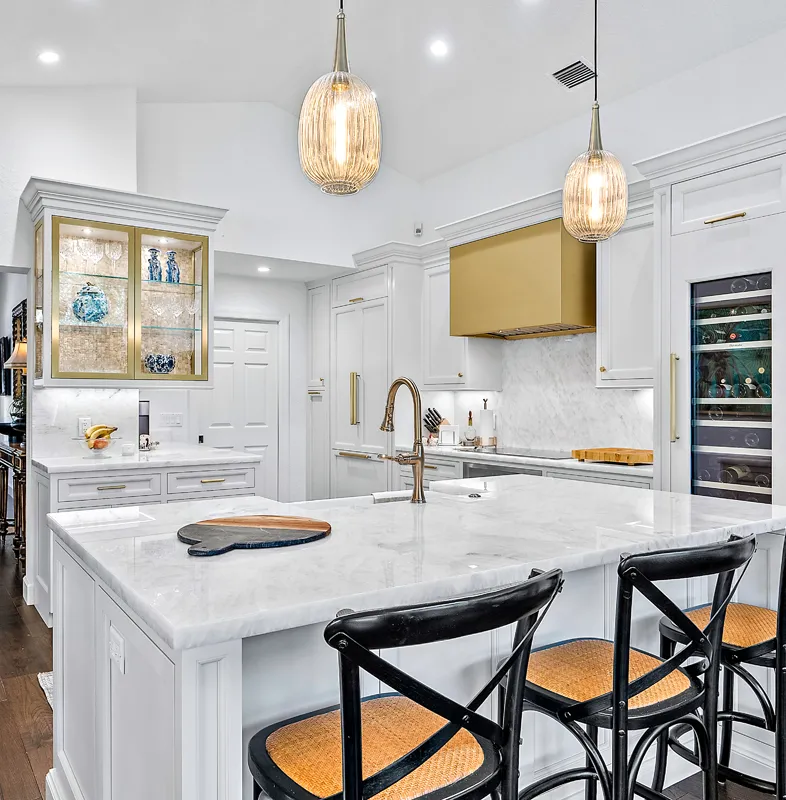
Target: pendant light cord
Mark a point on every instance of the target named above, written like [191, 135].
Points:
[596, 49]
[340, 5]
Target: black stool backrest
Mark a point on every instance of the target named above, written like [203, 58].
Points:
[355, 637]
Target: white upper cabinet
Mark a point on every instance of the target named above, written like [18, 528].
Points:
[730, 196]
[454, 362]
[319, 339]
[626, 313]
[370, 284]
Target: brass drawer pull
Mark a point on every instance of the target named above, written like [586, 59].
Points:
[430, 466]
[212, 480]
[354, 455]
[356, 300]
[108, 488]
[673, 436]
[738, 215]
[315, 392]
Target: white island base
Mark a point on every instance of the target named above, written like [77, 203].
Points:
[166, 664]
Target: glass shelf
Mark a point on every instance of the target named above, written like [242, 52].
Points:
[168, 328]
[169, 283]
[94, 275]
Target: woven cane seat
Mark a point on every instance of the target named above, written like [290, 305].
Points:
[582, 669]
[307, 751]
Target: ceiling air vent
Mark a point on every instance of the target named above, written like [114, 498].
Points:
[574, 74]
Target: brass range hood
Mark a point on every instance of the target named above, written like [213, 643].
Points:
[533, 282]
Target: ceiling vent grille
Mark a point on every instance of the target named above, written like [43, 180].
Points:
[574, 74]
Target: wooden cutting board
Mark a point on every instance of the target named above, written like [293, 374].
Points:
[213, 537]
[614, 455]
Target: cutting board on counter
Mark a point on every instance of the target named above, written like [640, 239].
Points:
[614, 455]
[213, 537]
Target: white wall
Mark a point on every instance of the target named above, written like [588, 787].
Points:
[244, 157]
[737, 89]
[266, 300]
[80, 135]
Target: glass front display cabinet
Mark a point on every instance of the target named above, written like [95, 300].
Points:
[731, 448]
[127, 303]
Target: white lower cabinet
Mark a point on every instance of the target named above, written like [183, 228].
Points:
[115, 738]
[614, 479]
[356, 474]
[318, 446]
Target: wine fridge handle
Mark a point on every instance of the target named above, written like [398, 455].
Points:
[673, 436]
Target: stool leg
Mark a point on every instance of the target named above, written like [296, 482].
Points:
[257, 791]
[591, 787]
[780, 727]
[662, 745]
[726, 725]
[710, 720]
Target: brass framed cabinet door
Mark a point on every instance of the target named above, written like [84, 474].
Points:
[171, 306]
[92, 299]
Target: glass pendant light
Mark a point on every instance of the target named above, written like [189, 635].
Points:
[595, 196]
[340, 135]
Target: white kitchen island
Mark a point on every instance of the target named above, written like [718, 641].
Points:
[166, 664]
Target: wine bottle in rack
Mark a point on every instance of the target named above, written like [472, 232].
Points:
[735, 473]
[763, 480]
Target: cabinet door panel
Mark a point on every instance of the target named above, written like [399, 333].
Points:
[347, 358]
[374, 375]
[357, 474]
[318, 475]
[371, 284]
[319, 337]
[446, 355]
[626, 313]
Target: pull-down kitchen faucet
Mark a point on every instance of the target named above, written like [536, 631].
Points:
[416, 458]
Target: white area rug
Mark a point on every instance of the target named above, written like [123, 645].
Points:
[47, 681]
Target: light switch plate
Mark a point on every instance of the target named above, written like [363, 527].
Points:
[117, 649]
[83, 423]
[171, 420]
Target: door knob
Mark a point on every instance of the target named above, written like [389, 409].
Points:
[603, 369]
[461, 374]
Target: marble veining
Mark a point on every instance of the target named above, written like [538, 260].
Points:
[549, 399]
[384, 554]
[175, 455]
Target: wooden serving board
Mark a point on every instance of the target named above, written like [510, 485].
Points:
[614, 455]
[213, 537]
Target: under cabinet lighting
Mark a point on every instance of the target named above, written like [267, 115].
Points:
[163, 241]
[87, 231]
[48, 57]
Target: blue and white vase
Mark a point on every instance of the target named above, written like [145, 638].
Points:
[159, 363]
[90, 304]
[172, 269]
[153, 264]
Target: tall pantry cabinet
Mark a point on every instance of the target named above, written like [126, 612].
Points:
[373, 332]
[720, 221]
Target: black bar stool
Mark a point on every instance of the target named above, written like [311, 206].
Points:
[417, 743]
[602, 684]
[752, 636]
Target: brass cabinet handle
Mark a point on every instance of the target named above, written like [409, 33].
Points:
[353, 398]
[108, 488]
[355, 455]
[430, 466]
[603, 369]
[738, 215]
[315, 392]
[212, 480]
[356, 300]
[673, 397]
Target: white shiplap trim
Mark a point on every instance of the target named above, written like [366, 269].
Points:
[731, 149]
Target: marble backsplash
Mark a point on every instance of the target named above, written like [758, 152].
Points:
[549, 399]
[56, 412]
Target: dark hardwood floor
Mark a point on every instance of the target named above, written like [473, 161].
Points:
[26, 719]
[25, 716]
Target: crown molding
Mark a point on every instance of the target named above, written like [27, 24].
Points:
[731, 149]
[41, 194]
[398, 252]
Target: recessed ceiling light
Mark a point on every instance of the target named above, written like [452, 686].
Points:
[48, 57]
[263, 269]
[439, 48]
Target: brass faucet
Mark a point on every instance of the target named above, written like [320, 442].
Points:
[416, 458]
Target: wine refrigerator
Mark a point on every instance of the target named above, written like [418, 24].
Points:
[731, 366]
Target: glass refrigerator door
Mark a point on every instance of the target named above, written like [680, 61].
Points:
[92, 300]
[731, 448]
[172, 306]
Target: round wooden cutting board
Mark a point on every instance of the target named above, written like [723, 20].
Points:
[213, 537]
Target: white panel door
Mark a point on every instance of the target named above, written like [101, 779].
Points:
[241, 411]
[347, 358]
[446, 355]
[374, 375]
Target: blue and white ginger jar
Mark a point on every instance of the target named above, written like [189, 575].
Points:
[153, 264]
[172, 269]
[90, 304]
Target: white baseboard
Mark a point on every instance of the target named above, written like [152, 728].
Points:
[28, 590]
[53, 789]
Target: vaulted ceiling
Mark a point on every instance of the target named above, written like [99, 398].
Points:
[493, 88]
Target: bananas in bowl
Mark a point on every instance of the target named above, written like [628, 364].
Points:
[99, 437]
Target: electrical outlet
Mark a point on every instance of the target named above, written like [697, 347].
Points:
[171, 420]
[82, 425]
[117, 649]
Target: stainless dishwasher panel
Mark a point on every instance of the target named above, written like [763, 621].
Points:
[489, 470]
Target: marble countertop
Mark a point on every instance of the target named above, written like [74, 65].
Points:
[383, 555]
[174, 455]
[640, 471]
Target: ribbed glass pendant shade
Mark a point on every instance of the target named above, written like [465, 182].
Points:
[595, 196]
[340, 135]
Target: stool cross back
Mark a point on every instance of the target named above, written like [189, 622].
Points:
[485, 757]
[752, 636]
[638, 690]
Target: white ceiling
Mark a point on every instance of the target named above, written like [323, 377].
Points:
[493, 88]
[281, 269]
